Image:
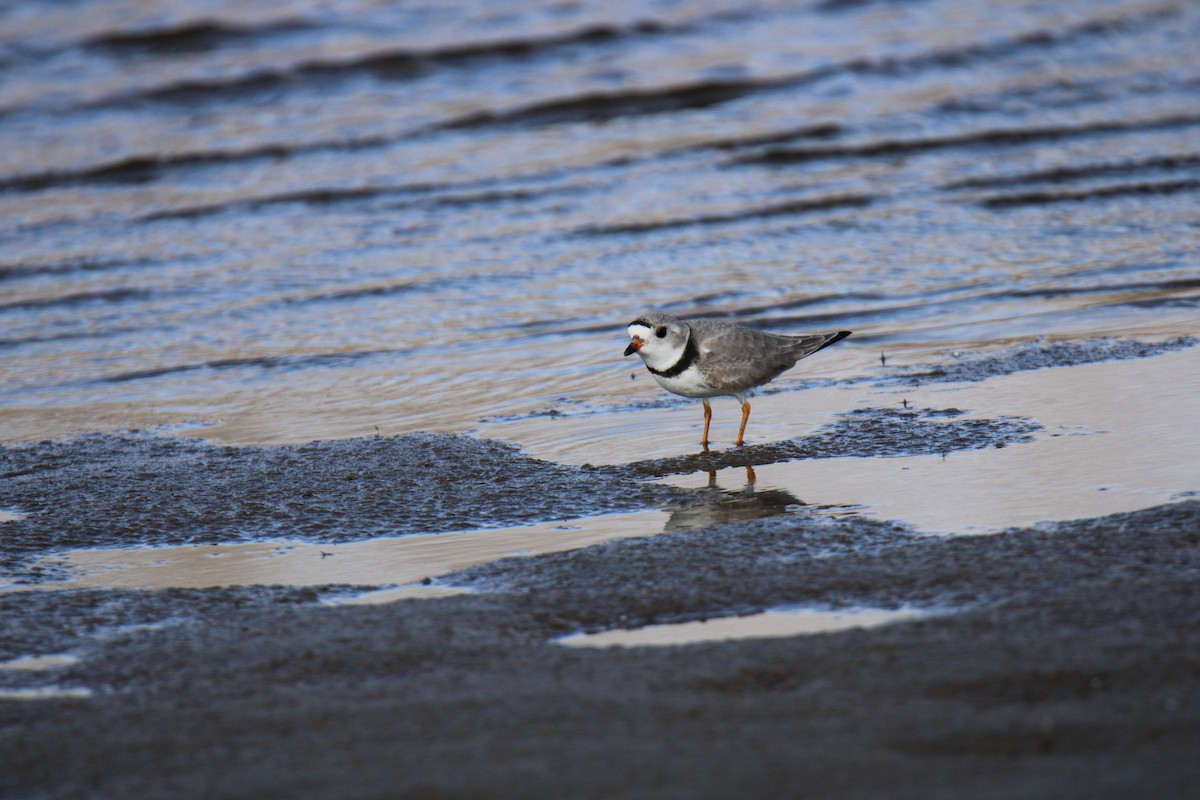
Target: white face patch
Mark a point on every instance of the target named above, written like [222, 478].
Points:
[658, 352]
[639, 331]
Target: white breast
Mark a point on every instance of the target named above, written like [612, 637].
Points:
[689, 383]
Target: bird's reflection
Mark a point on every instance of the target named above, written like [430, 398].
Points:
[751, 478]
[733, 505]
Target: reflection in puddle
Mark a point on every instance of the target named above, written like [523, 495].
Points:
[42, 664]
[399, 561]
[39, 663]
[1118, 437]
[773, 623]
[730, 505]
[408, 591]
[46, 693]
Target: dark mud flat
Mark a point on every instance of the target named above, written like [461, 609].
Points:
[139, 489]
[1068, 670]
[1033, 355]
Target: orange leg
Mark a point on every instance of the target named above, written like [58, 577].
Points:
[707, 422]
[742, 430]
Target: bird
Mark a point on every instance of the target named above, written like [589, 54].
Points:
[712, 358]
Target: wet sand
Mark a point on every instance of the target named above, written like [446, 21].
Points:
[1057, 660]
[1068, 670]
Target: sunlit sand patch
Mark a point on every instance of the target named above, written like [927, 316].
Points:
[1119, 436]
[773, 623]
[401, 562]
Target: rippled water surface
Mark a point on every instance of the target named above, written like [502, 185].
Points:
[295, 221]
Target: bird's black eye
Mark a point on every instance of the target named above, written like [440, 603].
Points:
[660, 331]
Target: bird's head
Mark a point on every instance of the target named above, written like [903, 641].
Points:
[659, 339]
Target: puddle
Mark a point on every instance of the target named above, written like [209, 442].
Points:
[626, 436]
[1119, 436]
[773, 623]
[401, 562]
[46, 693]
[39, 663]
[409, 591]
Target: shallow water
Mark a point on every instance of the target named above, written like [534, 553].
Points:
[1116, 437]
[289, 223]
[283, 224]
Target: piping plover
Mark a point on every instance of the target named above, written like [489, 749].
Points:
[710, 358]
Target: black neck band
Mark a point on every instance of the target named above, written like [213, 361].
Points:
[679, 367]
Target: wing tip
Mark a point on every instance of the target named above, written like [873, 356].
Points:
[834, 338]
